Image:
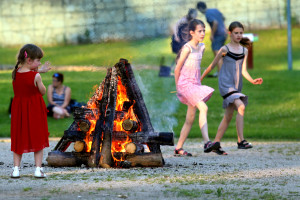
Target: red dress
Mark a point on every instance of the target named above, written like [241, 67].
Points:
[29, 128]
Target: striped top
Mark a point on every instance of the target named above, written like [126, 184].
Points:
[59, 99]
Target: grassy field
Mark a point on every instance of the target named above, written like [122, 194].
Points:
[272, 113]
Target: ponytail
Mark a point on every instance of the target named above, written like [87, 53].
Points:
[245, 42]
[15, 71]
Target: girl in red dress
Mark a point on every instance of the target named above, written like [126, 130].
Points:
[29, 128]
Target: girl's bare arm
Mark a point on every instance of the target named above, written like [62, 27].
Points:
[183, 55]
[67, 97]
[49, 95]
[39, 84]
[214, 62]
[246, 74]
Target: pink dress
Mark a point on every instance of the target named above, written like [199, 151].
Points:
[189, 88]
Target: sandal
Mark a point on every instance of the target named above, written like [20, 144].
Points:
[244, 145]
[209, 146]
[220, 151]
[181, 152]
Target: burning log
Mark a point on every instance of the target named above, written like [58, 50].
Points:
[161, 138]
[84, 125]
[106, 159]
[79, 146]
[134, 148]
[129, 125]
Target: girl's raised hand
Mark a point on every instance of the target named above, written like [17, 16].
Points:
[258, 81]
[45, 67]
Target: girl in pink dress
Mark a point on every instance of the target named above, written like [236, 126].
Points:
[189, 88]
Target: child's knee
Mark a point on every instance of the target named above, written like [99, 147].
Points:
[241, 109]
[203, 107]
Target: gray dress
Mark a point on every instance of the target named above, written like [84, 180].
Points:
[231, 79]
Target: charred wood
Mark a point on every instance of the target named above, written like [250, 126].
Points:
[130, 125]
[106, 159]
[84, 125]
[161, 138]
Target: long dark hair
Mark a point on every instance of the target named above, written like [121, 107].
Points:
[192, 27]
[27, 51]
[244, 41]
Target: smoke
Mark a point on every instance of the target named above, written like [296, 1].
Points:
[160, 103]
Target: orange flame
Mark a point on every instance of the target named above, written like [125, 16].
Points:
[117, 146]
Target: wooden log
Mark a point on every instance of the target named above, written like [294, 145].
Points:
[145, 160]
[79, 146]
[98, 132]
[160, 138]
[134, 94]
[106, 159]
[84, 125]
[130, 147]
[134, 148]
[66, 159]
[129, 125]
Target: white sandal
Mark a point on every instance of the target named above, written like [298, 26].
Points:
[16, 172]
[39, 173]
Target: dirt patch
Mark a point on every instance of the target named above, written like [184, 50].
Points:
[271, 170]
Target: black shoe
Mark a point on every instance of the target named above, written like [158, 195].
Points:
[209, 146]
[244, 145]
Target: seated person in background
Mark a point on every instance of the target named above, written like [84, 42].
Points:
[59, 97]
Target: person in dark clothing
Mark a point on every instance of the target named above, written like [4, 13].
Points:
[218, 30]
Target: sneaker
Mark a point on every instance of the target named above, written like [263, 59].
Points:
[209, 146]
[16, 172]
[244, 145]
[39, 173]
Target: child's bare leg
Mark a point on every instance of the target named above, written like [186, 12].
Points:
[190, 116]
[38, 157]
[224, 123]
[17, 159]
[240, 119]
[203, 120]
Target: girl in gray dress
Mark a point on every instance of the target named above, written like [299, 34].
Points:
[230, 83]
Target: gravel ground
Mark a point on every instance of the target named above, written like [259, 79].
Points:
[271, 170]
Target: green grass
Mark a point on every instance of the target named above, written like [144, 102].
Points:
[272, 113]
